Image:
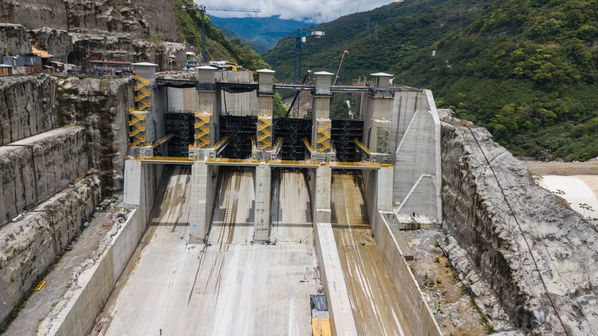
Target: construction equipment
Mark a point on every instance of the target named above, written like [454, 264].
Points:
[202, 10]
[338, 72]
[300, 36]
[297, 93]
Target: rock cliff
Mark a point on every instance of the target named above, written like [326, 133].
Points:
[34, 13]
[26, 107]
[40, 161]
[76, 31]
[102, 107]
[15, 40]
[35, 168]
[564, 246]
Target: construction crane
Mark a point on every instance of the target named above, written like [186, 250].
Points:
[202, 10]
[300, 36]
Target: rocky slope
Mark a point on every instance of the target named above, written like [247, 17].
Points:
[76, 31]
[564, 246]
[53, 131]
[14, 38]
[35, 168]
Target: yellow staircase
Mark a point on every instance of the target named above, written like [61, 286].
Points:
[202, 129]
[323, 138]
[143, 93]
[264, 132]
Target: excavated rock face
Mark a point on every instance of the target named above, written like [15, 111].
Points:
[55, 41]
[106, 16]
[82, 30]
[160, 15]
[102, 107]
[26, 107]
[35, 168]
[563, 244]
[15, 40]
[28, 247]
[34, 13]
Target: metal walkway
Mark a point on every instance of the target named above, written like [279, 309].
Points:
[253, 163]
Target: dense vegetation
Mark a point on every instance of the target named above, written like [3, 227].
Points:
[525, 69]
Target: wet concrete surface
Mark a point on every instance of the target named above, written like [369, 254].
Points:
[373, 298]
[227, 287]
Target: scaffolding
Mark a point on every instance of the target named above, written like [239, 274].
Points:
[323, 139]
[344, 131]
[181, 125]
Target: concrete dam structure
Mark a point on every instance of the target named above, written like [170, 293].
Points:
[204, 213]
[271, 209]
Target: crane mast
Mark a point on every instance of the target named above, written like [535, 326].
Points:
[202, 10]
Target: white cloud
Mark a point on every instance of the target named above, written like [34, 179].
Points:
[313, 10]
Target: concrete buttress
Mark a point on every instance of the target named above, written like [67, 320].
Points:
[203, 194]
[262, 203]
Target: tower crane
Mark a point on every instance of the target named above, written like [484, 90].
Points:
[300, 36]
[202, 10]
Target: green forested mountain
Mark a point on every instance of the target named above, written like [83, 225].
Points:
[218, 46]
[525, 69]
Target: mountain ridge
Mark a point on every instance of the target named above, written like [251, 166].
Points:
[525, 69]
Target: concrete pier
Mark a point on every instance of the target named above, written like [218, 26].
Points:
[262, 202]
[203, 194]
[321, 139]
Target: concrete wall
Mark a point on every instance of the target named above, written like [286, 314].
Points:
[204, 184]
[93, 286]
[331, 271]
[417, 155]
[238, 104]
[182, 100]
[333, 281]
[417, 312]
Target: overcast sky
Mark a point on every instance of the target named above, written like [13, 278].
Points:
[313, 10]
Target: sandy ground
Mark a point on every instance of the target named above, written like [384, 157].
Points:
[373, 298]
[228, 287]
[562, 168]
[580, 191]
[57, 281]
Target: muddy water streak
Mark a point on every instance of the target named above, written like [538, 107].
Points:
[373, 298]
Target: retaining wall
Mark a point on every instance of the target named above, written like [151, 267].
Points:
[29, 246]
[93, 286]
[417, 312]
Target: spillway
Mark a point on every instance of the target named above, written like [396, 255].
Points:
[228, 286]
[373, 298]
